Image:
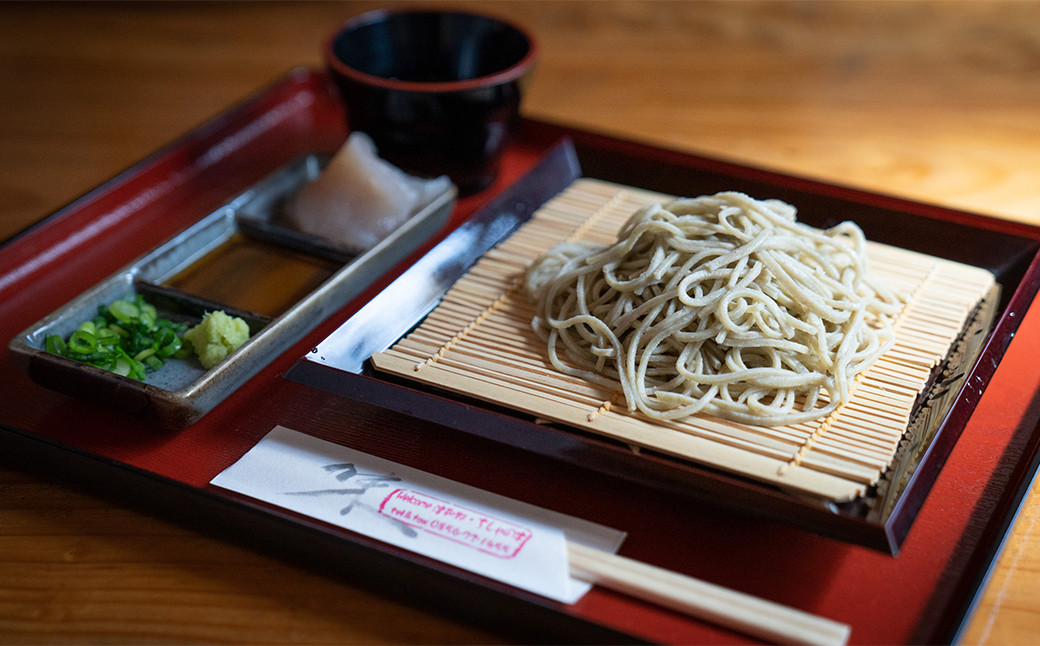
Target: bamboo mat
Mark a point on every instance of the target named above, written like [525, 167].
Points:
[479, 342]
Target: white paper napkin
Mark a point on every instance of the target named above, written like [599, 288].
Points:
[498, 537]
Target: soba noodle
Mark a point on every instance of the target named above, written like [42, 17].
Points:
[722, 305]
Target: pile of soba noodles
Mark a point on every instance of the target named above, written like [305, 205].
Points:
[722, 305]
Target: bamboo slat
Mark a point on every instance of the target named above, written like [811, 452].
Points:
[479, 342]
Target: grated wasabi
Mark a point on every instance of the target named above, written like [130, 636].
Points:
[217, 336]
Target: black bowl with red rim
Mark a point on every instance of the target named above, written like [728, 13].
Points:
[438, 91]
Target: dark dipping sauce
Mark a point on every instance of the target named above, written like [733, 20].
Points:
[254, 275]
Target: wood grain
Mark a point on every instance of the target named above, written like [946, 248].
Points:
[935, 101]
[76, 569]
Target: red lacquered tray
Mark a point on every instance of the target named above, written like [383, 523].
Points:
[922, 594]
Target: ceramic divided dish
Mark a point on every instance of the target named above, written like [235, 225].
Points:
[182, 391]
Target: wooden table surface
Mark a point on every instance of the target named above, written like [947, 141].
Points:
[934, 101]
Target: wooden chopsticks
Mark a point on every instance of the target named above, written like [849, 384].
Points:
[722, 606]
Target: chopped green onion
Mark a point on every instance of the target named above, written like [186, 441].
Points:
[121, 367]
[55, 344]
[124, 311]
[127, 337]
[83, 342]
